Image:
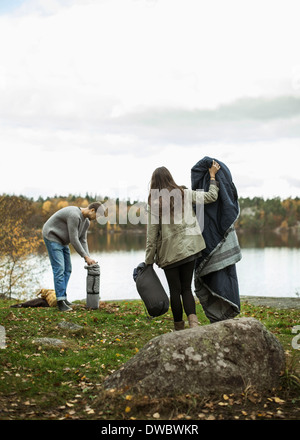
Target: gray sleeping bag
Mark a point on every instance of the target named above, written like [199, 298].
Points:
[92, 286]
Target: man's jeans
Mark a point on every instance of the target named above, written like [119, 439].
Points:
[61, 266]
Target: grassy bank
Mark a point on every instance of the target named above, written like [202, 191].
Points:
[65, 382]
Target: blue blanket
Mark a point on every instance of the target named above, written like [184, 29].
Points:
[216, 283]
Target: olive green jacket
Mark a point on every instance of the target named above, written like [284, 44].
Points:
[170, 243]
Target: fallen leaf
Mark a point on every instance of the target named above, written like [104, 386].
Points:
[69, 404]
[209, 405]
[211, 417]
[201, 416]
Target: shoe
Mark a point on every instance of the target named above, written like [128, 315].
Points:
[68, 303]
[63, 307]
[178, 325]
[193, 321]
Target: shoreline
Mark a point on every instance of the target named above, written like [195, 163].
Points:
[277, 302]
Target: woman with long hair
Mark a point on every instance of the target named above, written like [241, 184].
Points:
[174, 238]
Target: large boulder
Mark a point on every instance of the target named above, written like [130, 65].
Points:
[223, 357]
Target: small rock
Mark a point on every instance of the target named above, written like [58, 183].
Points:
[49, 341]
[69, 326]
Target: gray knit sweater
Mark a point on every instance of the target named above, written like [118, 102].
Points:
[68, 226]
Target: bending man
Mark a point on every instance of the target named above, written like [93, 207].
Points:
[67, 226]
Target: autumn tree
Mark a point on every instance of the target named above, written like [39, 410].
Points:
[19, 242]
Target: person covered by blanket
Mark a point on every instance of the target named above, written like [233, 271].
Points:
[174, 238]
[67, 226]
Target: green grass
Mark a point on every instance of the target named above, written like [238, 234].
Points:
[37, 382]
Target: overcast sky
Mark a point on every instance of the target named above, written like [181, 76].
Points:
[95, 94]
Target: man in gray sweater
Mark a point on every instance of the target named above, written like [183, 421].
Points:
[67, 226]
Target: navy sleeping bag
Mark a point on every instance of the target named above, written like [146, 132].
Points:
[215, 276]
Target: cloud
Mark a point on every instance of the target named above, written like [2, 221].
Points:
[293, 181]
[257, 109]
[126, 85]
[76, 62]
[145, 132]
[88, 76]
[248, 119]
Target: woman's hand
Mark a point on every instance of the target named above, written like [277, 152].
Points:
[214, 169]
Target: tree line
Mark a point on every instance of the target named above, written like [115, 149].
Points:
[256, 214]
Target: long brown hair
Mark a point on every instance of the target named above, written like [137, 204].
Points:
[163, 179]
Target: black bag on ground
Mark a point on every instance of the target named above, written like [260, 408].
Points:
[151, 290]
[36, 302]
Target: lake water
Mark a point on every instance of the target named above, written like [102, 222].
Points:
[270, 266]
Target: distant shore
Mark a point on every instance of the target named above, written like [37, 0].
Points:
[265, 301]
[273, 301]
